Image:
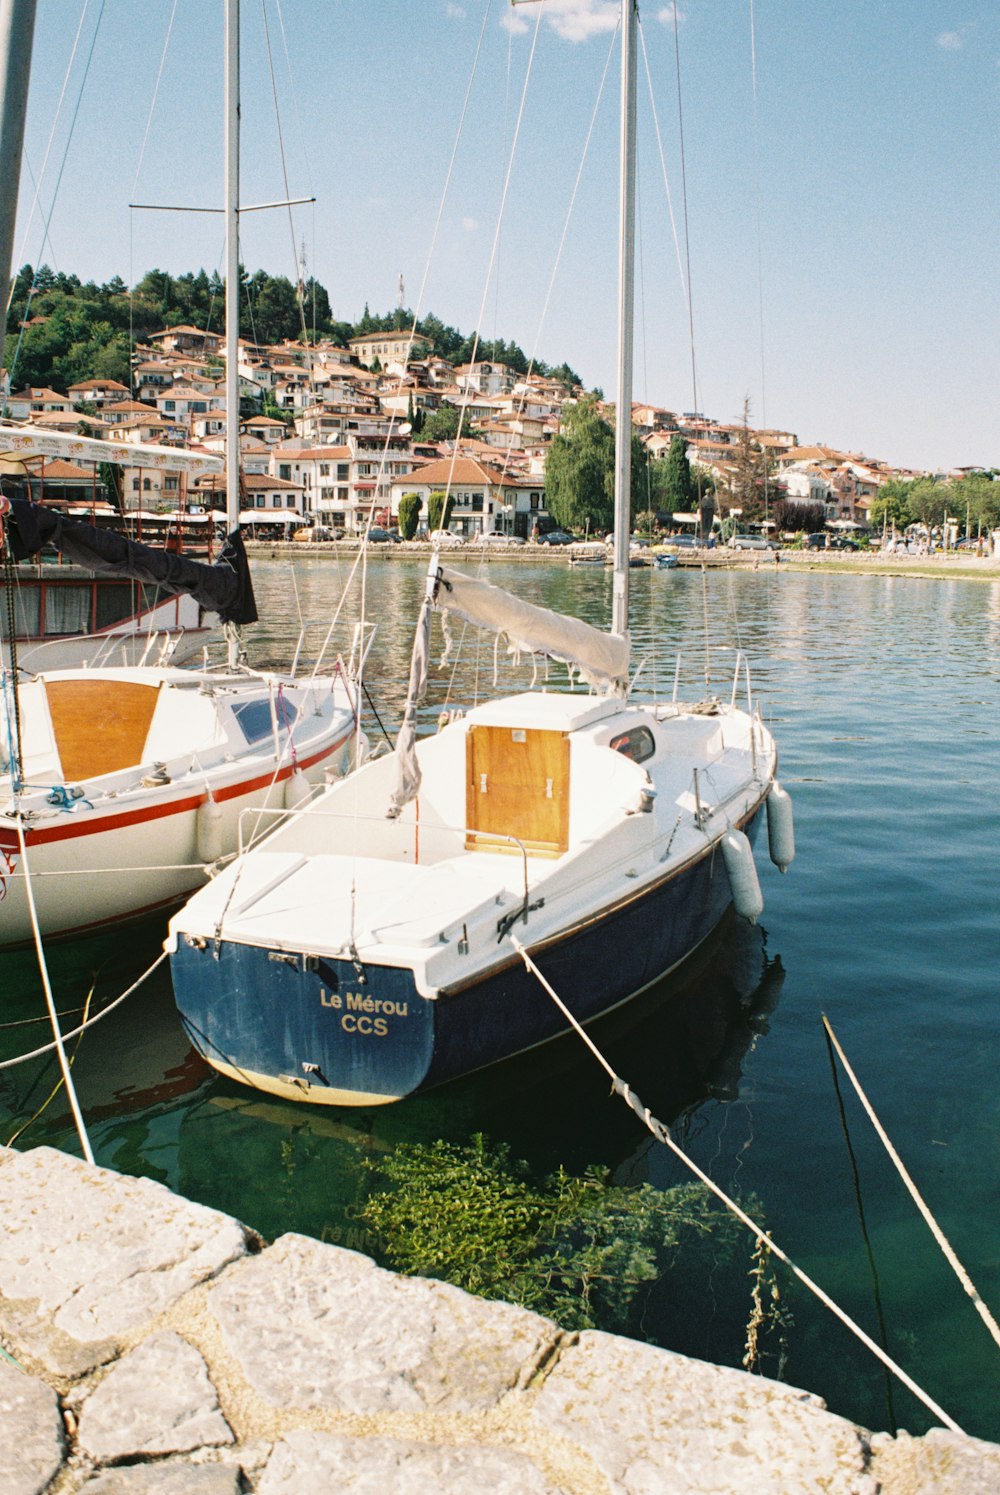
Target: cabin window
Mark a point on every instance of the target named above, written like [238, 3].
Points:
[254, 718]
[114, 602]
[639, 744]
[67, 609]
[27, 610]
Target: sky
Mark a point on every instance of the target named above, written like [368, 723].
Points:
[836, 197]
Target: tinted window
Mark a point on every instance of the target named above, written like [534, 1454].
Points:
[254, 718]
[638, 744]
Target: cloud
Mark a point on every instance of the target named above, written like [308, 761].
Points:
[951, 41]
[670, 15]
[571, 20]
[455, 12]
[470, 225]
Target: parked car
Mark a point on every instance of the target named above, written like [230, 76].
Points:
[445, 538]
[556, 537]
[681, 542]
[752, 542]
[379, 536]
[495, 538]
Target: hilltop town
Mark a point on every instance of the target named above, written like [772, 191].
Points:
[330, 434]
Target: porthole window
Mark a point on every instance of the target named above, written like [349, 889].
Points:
[639, 744]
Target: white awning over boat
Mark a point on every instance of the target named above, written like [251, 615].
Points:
[26, 444]
[601, 658]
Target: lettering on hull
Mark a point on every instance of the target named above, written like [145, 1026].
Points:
[365, 1014]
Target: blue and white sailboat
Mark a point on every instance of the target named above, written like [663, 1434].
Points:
[371, 947]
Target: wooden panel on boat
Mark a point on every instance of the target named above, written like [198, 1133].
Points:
[517, 784]
[100, 726]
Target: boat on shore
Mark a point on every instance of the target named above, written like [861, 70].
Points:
[375, 944]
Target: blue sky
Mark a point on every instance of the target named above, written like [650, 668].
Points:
[870, 164]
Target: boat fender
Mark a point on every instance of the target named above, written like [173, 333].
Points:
[737, 853]
[297, 789]
[780, 828]
[208, 830]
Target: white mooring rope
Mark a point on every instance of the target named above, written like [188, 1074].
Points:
[933, 1226]
[662, 1134]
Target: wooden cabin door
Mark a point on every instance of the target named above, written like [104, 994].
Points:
[517, 784]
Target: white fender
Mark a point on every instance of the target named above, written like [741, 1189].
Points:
[737, 853]
[297, 789]
[208, 830]
[780, 828]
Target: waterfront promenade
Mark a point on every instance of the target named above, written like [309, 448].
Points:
[156, 1345]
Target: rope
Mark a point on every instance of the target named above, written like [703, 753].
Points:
[917, 1197]
[90, 1023]
[662, 1134]
[56, 1087]
[50, 1000]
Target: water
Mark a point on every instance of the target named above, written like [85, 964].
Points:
[883, 693]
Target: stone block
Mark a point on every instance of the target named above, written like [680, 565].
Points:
[940, 1463]
[88, 1256]
[31, 1432]
[156, 1400]
[306, 1461]
[313, 1325]
[653, 1421]
[165, 1479]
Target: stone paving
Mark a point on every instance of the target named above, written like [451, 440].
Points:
[163, 1347]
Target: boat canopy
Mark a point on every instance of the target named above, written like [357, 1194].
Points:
[600, 658]
[25, 443]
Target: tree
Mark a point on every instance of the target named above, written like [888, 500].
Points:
[444, 424]
[751, 472]
[890, 508]
[439, 511]
[679, 495]
[409, 510]
[579, 469]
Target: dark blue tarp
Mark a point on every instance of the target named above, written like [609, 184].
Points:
[222, 587]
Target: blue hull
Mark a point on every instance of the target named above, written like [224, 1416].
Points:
[311, 1024]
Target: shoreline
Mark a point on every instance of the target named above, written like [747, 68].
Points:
[949, 567]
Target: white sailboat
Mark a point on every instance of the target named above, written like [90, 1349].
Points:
[121, 788]
[373, 946]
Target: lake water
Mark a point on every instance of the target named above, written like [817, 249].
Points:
[883, 693]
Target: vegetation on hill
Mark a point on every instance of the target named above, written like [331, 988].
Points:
[61, 330]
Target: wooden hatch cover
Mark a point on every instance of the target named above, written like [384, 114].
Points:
[100, 726]
[517, 784]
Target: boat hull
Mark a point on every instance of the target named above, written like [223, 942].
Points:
[94, 868]
[330, 1032]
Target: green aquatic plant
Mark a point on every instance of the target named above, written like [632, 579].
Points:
[579, 1249]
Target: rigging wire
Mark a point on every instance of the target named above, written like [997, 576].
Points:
[300, 299]
[663, 1134]
[46, 238]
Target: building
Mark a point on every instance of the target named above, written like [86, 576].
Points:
[486, 501]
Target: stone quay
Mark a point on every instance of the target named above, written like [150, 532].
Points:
[155, 1345]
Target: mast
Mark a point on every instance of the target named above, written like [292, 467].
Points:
[232, 263]
[17, 28]
[232, 283]
[626, 257]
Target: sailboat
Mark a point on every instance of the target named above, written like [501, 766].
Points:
[122, 788]
[374, 945]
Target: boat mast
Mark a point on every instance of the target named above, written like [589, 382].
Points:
[232, 278]
[17, 28]
[626, 258]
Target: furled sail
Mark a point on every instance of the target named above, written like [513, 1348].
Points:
[223, 587]
[600, 658]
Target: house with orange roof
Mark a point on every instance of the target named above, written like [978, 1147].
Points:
[98, 392]
[186, 340]
[486, 499]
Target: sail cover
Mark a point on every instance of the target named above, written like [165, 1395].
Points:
[600, 658]
[223, 587]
